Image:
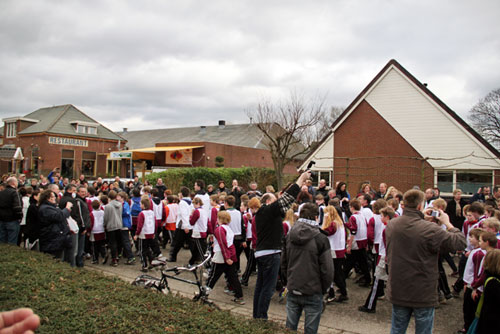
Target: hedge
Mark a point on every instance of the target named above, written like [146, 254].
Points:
[72, 300]
[176, 177]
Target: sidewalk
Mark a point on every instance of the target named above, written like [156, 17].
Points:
[337, 318]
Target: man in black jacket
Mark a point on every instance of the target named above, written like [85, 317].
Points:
[80, 212]
[269, 226]
[11, 212]
[306, 269]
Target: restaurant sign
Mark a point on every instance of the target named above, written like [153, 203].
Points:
[68, 141]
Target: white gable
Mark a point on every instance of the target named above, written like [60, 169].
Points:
[323, 156]
[425, 125]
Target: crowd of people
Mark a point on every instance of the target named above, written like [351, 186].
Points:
[302, 242]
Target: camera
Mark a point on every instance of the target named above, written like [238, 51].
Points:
[435, 214]
[309, 166]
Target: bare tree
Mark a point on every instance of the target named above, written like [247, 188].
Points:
[324, 125]
[485, 117]
[286, 127]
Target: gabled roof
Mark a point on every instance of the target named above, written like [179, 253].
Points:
[246, 135]
[424, 90]
[59, 119]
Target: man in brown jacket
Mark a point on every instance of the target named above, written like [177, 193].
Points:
[413, 247]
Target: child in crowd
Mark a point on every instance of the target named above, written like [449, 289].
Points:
[334, 227]
[237, 226]
[146, 233]
[488, 313]
[135, 209]
[377, 291]
[126, 225]
[224, 260]
[97, 234]
[253, 206]
[493, 225]
[212, 221]
[357, 244]
[172, 207]
[471, 273]
[487, 242]
[199, 222]
[320, 201]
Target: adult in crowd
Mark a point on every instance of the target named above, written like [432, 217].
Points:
[119, 183]
[454, 209]
[11, 212]
[253, 190]
[482, 194]
[322, 188]
[413, 247]
[429, 197]
[222, 188]
[55, 236]
[269, 231]
[236, 191]
[306, 269]
[344, 197]
[83, 220]
[161, 188]
[382, 191]
[33, 222]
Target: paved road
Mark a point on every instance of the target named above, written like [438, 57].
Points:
[337, 318]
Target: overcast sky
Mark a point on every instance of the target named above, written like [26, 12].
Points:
[153, 64]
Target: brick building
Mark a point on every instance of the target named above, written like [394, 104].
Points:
[397, 131]
[239, 145]
[59, 136]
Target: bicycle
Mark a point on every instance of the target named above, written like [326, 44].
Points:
[160, 284]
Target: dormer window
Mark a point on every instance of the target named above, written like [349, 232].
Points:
[10, 131]
[85, 127]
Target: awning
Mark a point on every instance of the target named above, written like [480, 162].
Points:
[118, 155]
[163, 149]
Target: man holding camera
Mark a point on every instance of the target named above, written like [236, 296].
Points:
[269, 227]
[413, 247]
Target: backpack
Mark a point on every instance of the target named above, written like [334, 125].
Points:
[136, 206]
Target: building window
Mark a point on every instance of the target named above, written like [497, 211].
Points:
[67, 162]
[113, 167]
[321, 175]
[468, 181]
[34, 160]
[11, 130]
[88, 163]
[86, 129]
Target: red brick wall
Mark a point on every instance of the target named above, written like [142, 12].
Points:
[377, 153]
[234, 156]
[51, 154]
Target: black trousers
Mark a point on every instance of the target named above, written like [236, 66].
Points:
[180, 238]
[113, 238]
[239, 249]
[338, 275]
[358, 256]
[469, 308]
[443, 280]
[376, 291]
[98, 248]
[199, 249]
[251, 265]
[230, 270]
[459, 284]
[145, 247]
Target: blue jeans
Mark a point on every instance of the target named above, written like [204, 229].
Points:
[9, 231]
[424, 319]
[268, 267]
[312, 306]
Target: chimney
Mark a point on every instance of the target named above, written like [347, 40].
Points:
[203, 129]
[125, 130]
[222, 124]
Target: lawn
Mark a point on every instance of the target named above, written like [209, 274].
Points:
[83, 301]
